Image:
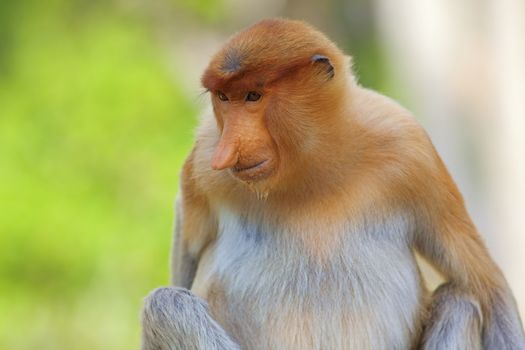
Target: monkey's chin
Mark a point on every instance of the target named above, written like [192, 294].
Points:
[255, 173]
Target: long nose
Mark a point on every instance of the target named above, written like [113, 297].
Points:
[227, 152]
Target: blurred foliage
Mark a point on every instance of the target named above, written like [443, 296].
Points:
[93, 131]
[94, 126]
[205, 10]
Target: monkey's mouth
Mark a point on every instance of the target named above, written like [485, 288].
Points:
[242, 168]
[252, 172]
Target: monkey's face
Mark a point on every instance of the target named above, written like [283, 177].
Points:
[273, 86]
[246, 147]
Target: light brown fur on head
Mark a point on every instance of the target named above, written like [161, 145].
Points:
[261, 55]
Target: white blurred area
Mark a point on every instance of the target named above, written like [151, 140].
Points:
[464, 64]
[460, 64]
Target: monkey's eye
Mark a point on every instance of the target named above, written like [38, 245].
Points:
[253, 96]
[222, 96]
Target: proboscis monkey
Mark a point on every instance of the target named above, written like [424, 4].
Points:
[301, 206]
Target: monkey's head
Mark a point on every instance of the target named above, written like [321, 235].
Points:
[276, 89]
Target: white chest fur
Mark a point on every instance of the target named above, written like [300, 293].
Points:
[365, 295]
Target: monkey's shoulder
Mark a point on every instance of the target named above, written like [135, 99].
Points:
[387, 128]
[385, 122]
[395, 154]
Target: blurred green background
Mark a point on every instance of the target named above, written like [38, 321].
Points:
[97, 111]
[93, 130]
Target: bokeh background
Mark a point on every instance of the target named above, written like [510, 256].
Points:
[99, 99]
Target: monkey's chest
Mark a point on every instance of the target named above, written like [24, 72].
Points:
[270, 292]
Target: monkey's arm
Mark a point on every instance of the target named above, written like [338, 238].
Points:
[477, 301]
[194, 229]
[173, 317]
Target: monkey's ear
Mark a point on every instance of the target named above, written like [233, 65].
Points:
[323, 60]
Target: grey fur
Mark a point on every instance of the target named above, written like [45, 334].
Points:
[272, 290]
[175, 319]
[232, 61]
[455, 321]
[183, 264]
[503, 330]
